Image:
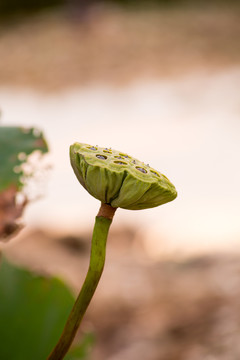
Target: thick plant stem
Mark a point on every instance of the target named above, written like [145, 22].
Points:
[97, 260]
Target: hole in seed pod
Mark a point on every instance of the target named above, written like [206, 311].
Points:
[155, 173]
[102, 157]
[124, 155]
[92, 148]
[119, 157]
[107, 151]
[141, 169]
[120, 162]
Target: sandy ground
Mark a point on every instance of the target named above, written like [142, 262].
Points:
[166, 310]
[57, 50]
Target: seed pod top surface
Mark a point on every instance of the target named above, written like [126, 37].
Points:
[117, 179]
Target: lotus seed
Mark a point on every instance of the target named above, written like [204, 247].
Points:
[120, 163]
[141, 169]
[102, 157]
[155, 173]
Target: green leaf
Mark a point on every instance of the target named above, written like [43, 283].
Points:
[33, 311]
[16, 143]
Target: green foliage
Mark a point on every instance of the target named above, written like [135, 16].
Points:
[33, 311]
[16, 143]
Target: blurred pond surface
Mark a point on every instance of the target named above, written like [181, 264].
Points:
[187, 128]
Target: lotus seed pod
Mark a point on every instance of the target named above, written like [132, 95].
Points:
[118, 179]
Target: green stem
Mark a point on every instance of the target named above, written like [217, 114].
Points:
[97, 260]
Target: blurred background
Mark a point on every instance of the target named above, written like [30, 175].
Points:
[158, 80]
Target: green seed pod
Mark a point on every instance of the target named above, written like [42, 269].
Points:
[118, 179]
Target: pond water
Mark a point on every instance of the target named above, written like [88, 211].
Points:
[187, 128]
